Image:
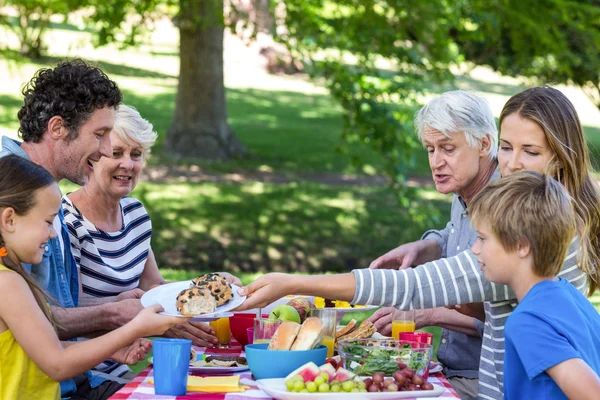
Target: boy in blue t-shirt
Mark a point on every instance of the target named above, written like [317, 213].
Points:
[525, 223]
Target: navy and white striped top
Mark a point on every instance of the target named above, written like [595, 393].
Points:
[110, 262]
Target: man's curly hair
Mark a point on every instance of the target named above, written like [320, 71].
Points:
[73, 90]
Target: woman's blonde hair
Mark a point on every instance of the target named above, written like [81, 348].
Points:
[19, 180]
[131, 128]
[570, 165]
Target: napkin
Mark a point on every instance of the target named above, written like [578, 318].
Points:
[215, 384]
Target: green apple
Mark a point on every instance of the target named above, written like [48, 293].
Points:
[285, 312]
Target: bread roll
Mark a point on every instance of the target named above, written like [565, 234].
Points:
[310, 335]
[195, 301]
[284, 336]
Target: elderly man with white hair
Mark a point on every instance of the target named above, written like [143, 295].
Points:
[459, 132]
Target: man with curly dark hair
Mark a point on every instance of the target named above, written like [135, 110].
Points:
[66, 120]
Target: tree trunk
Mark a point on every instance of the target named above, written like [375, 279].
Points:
[199, 128]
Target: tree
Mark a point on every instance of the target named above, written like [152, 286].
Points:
[559, 41]
[199, 127]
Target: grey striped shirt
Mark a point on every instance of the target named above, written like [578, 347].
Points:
[458, 280]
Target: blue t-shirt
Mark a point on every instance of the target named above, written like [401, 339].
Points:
[552, 324]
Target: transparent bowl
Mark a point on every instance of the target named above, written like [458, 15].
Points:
[364, 357]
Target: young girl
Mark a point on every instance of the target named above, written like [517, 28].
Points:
[32, 358]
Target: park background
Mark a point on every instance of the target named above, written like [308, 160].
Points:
[329, 174]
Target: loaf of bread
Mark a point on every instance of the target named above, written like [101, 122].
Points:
[284, 336]
[217, 285]
[195, 301]
[310, 335]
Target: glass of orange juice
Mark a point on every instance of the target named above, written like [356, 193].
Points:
[264, 329]
[328, 317]
[404, 321]
[222, 331]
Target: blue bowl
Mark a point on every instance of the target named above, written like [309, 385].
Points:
[265, 363]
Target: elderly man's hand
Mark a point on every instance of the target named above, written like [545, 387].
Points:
[474, 310]
[134, 353]
[265, 290]
[200, 333]
[234, 280]
[131, 294]
[382, 319]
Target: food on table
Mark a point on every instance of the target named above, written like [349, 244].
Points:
[367, 356]
[310, 335]
[192, 355]
[404, 379]
[293, 336]
[195, 301]
[217, 285]
[321, 302]
[302, 306]
[285, 312]
[221, 361]
[215, 384]
[365, 330]
[310, 378]
[346, 329]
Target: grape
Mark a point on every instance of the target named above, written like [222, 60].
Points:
[387, 381]
[298, 386]
[392, 387]
[304, 391]
[289, 384]
[418, 379]
[348, 385]
[412, 386]
[426, 386]
[373, 388]
[362, 384]
[368, 381]
[401, 365]
[335, 382]
[378, 377]
[355, 389]
[311, 387]
[324, 387]
[399, 377]
[336, 388]
[408, 372]
[325, 376]
[319, 380]
[298, 378]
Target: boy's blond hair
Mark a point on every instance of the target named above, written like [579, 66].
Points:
[531, 207]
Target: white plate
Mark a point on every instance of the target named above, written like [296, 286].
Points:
[166, 296]
[218, 370]
[276, 389]
[349, 309]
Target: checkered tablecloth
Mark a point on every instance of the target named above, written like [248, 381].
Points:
[140, 388]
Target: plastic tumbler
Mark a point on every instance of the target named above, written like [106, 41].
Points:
[171, 358]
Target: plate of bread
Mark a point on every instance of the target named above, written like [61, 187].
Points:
[207, 297]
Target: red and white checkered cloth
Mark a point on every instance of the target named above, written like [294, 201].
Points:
[140, 389]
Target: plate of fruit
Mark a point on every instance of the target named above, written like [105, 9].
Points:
[332, 382]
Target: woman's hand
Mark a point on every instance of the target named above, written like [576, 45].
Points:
[264, 290]
[233, 280]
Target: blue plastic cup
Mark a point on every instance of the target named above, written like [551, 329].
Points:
[171, 359]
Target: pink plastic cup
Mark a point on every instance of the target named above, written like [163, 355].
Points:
[250, 333]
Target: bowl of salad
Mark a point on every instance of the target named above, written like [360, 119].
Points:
[365, 357]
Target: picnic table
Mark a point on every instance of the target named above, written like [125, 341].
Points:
[140, 387]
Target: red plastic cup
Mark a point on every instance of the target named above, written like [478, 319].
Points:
[420, 337]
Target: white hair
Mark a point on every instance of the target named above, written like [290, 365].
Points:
[459, 111]
[132, 129]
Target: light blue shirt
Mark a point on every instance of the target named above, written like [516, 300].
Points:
[57, 273]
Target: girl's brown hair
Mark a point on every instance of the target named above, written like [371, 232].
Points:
[570, 165]
[19, 180]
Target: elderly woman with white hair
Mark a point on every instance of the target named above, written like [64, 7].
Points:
[110, 232]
